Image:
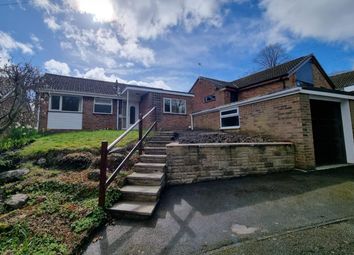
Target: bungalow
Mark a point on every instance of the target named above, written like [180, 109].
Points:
[295, 101]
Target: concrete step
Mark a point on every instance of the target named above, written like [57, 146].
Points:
[145, 158]
[155, 150]
[141, 193]
[157, 143]
[147, 179]
[133, 208]
[149, 167]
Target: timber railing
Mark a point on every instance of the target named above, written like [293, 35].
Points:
[107, 149]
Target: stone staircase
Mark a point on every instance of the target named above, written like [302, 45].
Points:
[143, 187]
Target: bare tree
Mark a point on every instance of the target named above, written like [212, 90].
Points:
[271, 56]
[19, 84]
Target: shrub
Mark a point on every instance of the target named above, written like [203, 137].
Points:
[18, 137]
[9, 160]
[78, 161]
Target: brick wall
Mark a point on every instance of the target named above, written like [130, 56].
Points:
[319, 80]
[43, 112]
[188, 163]
[287, 119]
[205, 88]
[94, 121]
[264, 90]
[166, 121]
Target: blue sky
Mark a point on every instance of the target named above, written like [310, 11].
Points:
[169, 43]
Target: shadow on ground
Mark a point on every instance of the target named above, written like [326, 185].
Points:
[197, 217]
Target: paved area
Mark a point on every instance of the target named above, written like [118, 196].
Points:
[206, 216]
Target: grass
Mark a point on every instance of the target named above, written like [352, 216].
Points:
[62, 210]
[60, 215]
[75, 141]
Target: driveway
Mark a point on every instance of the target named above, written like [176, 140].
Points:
[206, 216]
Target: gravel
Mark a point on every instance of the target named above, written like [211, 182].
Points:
[220, 137]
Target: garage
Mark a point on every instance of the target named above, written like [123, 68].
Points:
[327, 131]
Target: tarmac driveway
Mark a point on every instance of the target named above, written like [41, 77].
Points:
[202, 217]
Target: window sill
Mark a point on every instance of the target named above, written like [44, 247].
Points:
[234, 127]
[102, 113]
[172, 113]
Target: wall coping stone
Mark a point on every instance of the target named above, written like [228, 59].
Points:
[176, 144]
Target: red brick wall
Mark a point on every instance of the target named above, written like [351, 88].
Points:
[93, 121]
[43, 111]
[318, 79]
[166, 121]
[286, 119]
[205, 88]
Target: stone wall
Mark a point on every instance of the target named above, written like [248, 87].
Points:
[188, 163]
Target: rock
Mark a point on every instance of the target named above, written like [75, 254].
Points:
[76, 161]
[13, 175]
[16, 201]
[94, 175]
[4, 227]
[41, 162]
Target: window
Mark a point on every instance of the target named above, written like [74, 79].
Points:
[172, 105]
[209, 98]
[55, 103]
[233, 96]
[229, 118]
[65, 103]
[102, 105]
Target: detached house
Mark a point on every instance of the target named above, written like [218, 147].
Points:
[295, 101]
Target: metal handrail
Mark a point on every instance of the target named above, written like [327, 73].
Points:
[106, 149]
[128, 130]
[116, 171]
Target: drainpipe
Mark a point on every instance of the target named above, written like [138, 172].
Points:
[192, 124]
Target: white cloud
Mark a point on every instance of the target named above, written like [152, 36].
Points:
[99, 73]
[47, 5]
[8, 43]
[36, 42]
[321, 19]
[51, 23]
[57, 67]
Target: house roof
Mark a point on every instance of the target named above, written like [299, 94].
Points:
[271, 73]
[279, 71]
[343, 80]
[55, 82]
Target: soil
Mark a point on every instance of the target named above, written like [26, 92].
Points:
[220, 137]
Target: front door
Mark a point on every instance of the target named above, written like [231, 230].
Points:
[327, 131]
[133, 113]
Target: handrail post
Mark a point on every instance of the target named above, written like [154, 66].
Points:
[140, 133]
[103, 174]
[155, 118]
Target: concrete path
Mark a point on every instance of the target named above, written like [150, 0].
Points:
[206, 216]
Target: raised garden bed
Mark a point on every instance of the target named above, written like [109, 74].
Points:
[189, 137]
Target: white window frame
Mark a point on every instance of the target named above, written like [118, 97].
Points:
[237, 114]
[61, 103]
[110, 104]
[170, 112]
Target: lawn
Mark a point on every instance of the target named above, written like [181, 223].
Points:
[62, 208]
[76, 141]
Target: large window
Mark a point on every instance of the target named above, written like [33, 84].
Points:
[229, 118]
[103, 106]
[65, 103]
[173, 105]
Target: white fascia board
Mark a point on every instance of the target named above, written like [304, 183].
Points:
[74, 93]
[349, 88]
[326, 94]
[161, 91]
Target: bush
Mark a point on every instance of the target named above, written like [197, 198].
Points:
[17, 137]
[76, 161]
[9, 160]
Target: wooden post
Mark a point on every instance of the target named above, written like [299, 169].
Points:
[140, 133]
[103, 174]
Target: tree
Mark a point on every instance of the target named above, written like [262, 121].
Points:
[19, 84]
[271, 56]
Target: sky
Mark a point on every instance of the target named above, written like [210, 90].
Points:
[169, 43]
